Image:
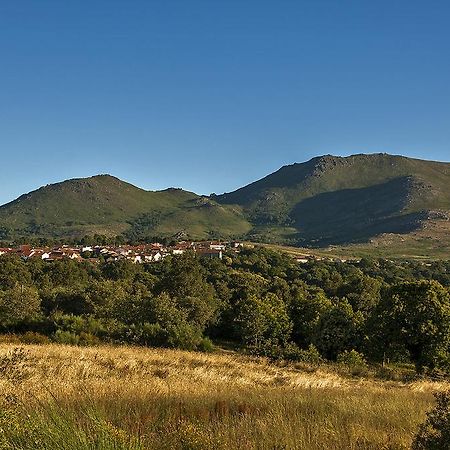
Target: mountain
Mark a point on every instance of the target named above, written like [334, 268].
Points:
[378, 199]
[335, 200]
[106, 205]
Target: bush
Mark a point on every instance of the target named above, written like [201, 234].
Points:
[354, 361]
[66, 337]
[434, 433]
[9, 339]
[310, 355]
[89, 339]
[205, 345]
[31, 337]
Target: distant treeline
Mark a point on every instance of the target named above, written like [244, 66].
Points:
[259, 301]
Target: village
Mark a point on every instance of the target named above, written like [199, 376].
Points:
[145, 253]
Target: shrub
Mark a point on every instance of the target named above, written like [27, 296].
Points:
[291, 351]
[434, 433]
[31, 337]
[66, 337]
[311, 355]
[205, 345]
[89, 339]
[354, 361]
[15, 365]
[9, 339]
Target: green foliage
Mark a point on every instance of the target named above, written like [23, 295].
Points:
[332, 200]
[416, 315]
[13, 271]
[66, 299]
[262, 323]
[258, 300]
[31, 337]
[434, 434]
[18, 304]
[338, 329]
[351, 358]
[353, 361]
[205, 345]
[306, 308]
[66, 337]
[309, 356]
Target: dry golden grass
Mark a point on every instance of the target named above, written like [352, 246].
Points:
[138, 398]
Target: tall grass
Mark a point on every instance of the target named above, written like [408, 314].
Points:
[60, 397]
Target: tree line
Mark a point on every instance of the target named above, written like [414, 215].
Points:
[259, 301]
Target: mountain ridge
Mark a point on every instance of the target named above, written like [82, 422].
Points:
[327, 200]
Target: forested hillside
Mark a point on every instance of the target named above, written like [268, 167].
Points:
[260, 301]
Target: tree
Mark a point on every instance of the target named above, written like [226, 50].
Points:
[362, 291]
[13, 271]
[338, 329]
[69, 300]
[18, 304]
[110, 299]
[245, 284]
[184, 276]
[306, 307]
[416, 315]
[434, 433]
[262, 323]
[170, 325]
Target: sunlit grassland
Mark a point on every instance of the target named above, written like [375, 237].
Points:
[61, 397]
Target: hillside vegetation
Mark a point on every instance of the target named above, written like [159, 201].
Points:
[106, 205]
[259, 301]
[293, 356]
[335, 200]
[134, 399]
[326, 201]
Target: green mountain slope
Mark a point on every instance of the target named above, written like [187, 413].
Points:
[106, 205]
[333, 200]
[326, 201]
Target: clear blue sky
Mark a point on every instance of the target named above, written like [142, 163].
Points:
[210, 95]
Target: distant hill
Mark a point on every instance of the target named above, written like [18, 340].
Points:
[329, 200]
[106, 205]
[336, 200]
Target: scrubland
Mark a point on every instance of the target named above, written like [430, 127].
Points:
[67, 397]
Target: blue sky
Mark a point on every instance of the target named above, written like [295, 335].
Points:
[210, 95]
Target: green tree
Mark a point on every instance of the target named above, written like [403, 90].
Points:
[170, 324]
[18, 304]
[261, 323]
[13, 271]
[416, 315]
[434, 433]
[65, 299]
[338, 329]
[306, 307]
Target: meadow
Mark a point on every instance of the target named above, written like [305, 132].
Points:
[135, 398]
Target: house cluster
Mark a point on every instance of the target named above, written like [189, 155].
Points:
[146, 253]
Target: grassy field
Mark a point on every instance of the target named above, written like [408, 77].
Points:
[60, 397]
